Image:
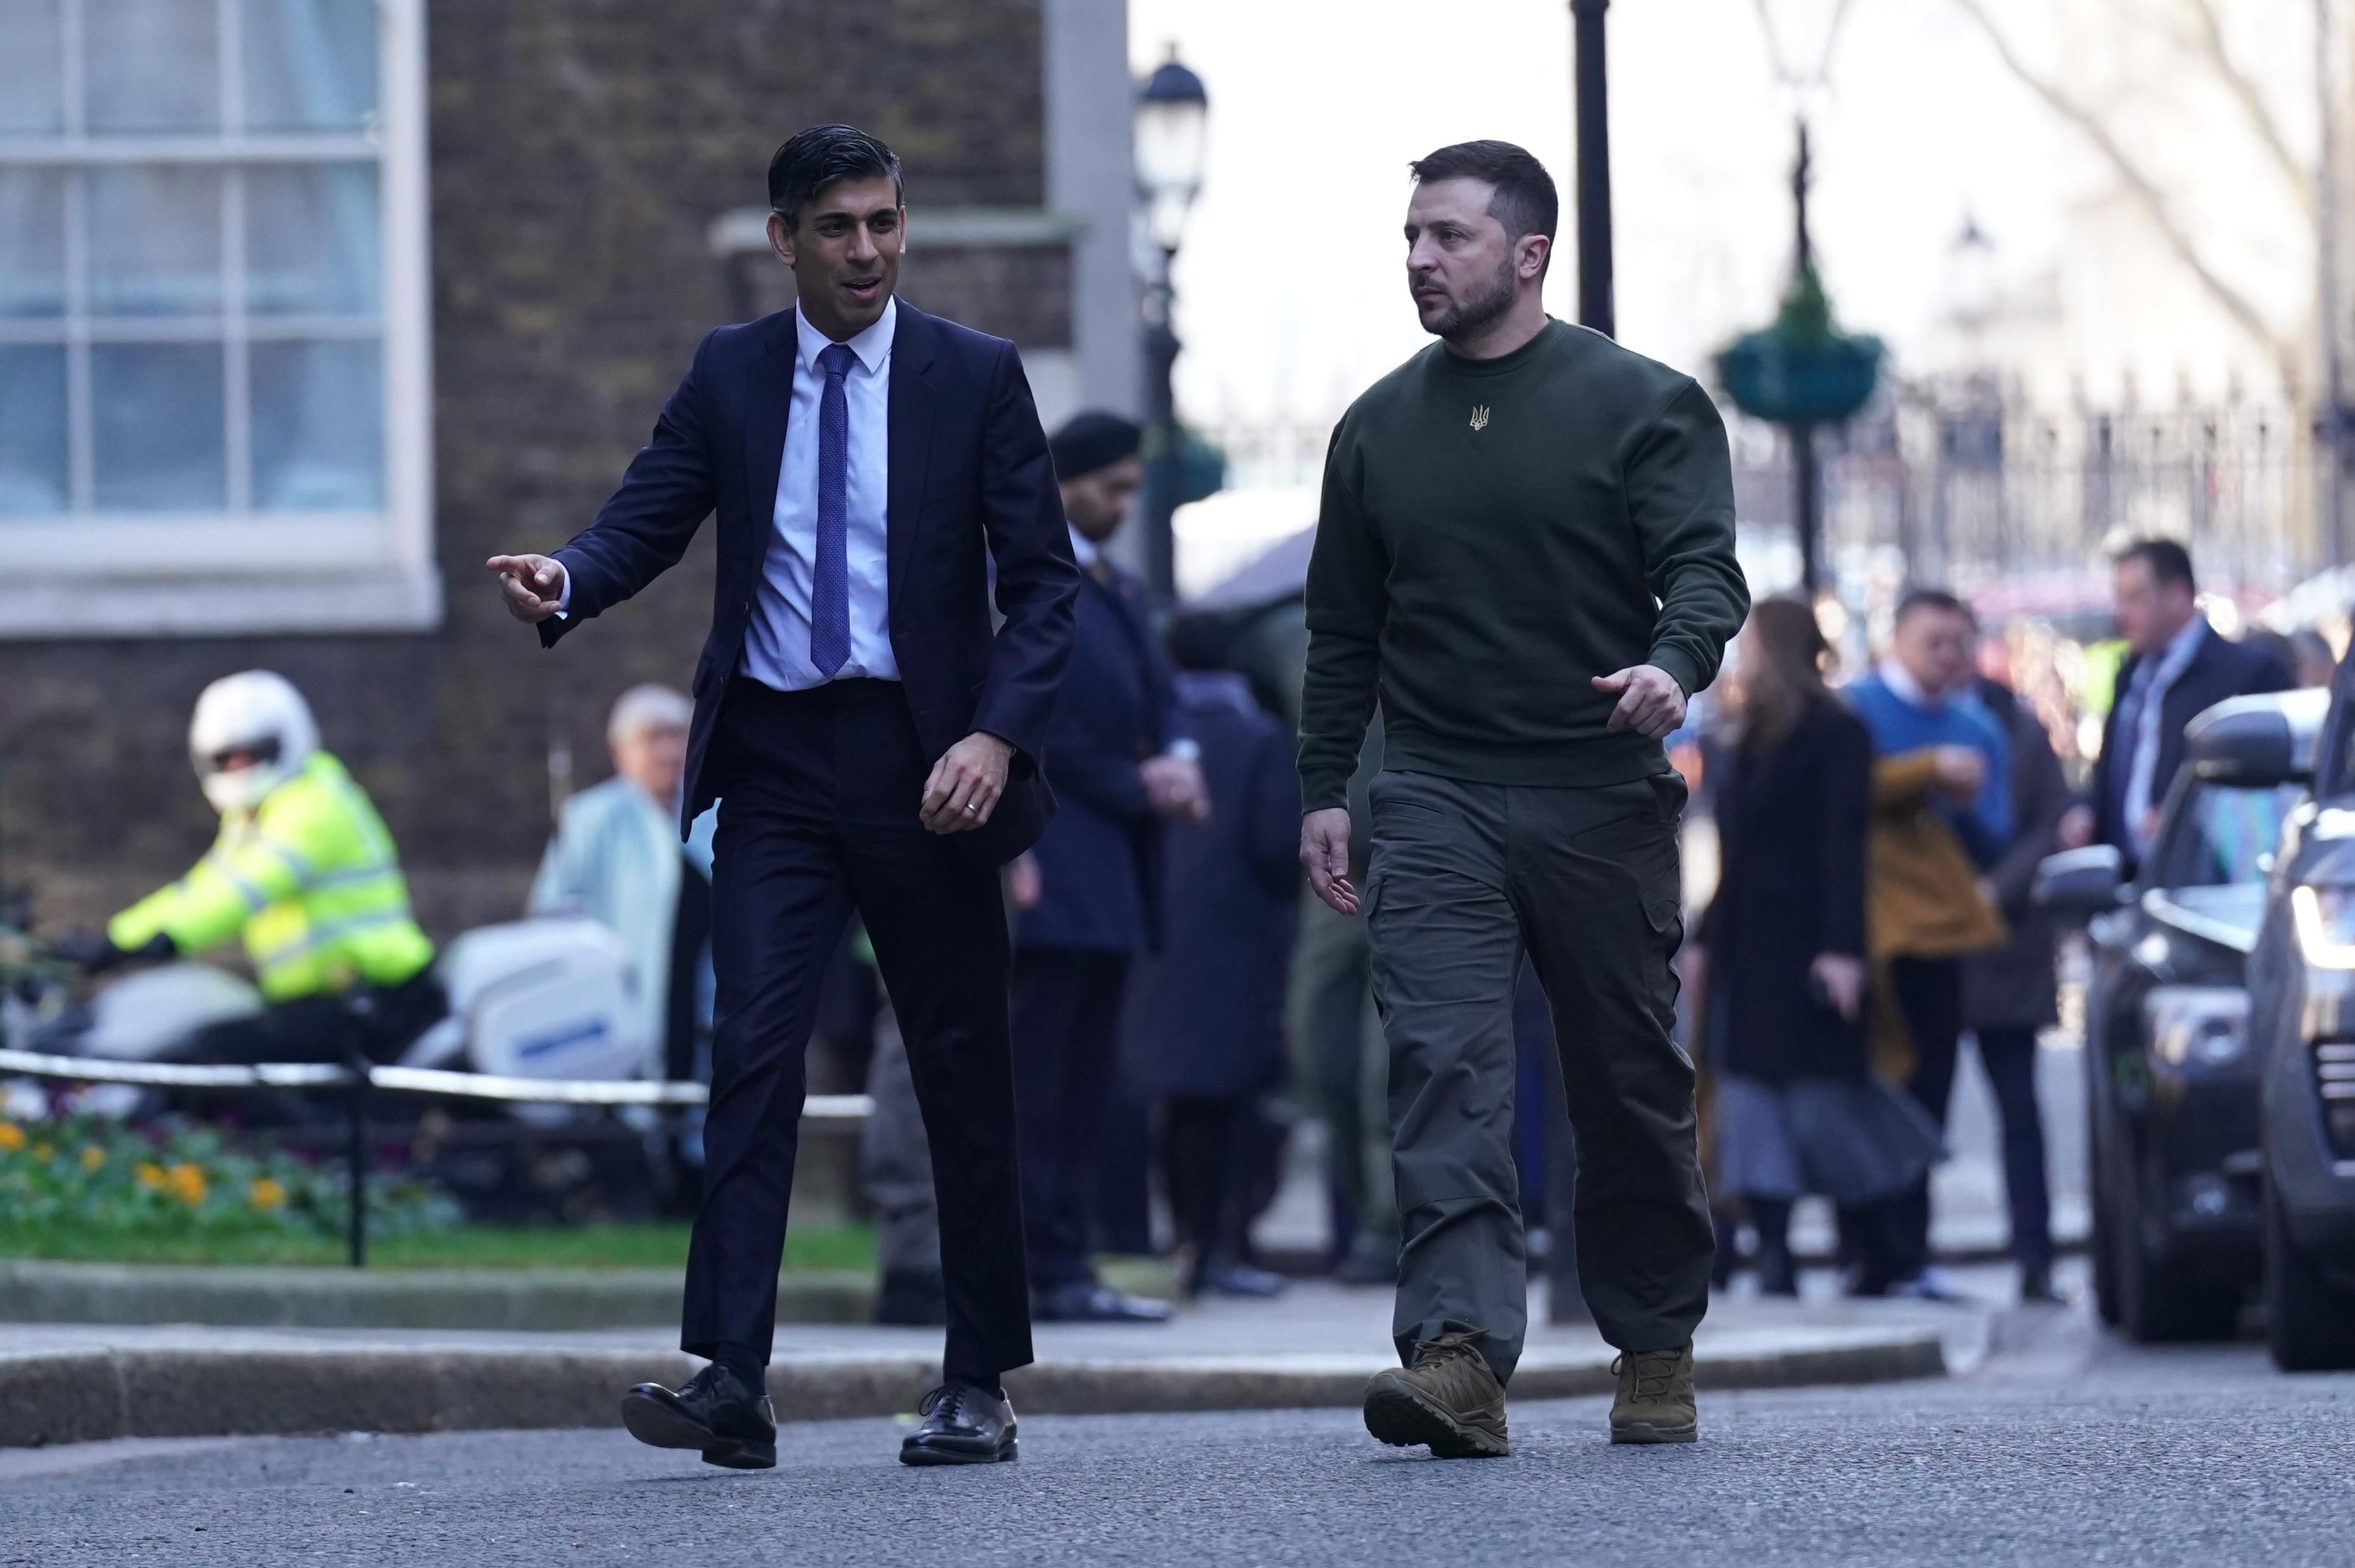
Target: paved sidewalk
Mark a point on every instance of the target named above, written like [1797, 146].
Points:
[1313, 1347]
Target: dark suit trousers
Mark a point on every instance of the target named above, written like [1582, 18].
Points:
[1066, 1021]
[1930, 997]
[2008, 1054]
[817, 816]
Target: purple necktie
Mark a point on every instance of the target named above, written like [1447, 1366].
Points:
[830, 574]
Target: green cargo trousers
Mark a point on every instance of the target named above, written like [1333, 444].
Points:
[1464, 880]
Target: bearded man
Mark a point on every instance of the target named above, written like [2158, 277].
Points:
[1526, 545]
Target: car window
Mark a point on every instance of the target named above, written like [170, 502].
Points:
[2225, 834]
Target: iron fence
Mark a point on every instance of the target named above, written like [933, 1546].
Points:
[1966, 483]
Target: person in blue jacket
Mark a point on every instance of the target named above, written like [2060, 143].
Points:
[1922, 707]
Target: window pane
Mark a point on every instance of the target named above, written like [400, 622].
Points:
[32, 430]
[310, 64]
[157, 409]
[310, 239]
[154, 240]
[318, 427]
[32, 66]
[155, 65]
[32, 242]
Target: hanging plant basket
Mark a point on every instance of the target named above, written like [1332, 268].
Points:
[1802, 370]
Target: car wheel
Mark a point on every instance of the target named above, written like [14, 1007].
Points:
[2160, 1300]
[2309, 1322]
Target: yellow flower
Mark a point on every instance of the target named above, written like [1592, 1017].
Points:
[45, 1152]
[12, 1137]
[92, 1158]
[187, 1183]
[266, 1193]
[149, 1175]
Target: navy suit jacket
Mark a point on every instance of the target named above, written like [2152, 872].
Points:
[970, 483]
[1099, 864]
[2221, 668]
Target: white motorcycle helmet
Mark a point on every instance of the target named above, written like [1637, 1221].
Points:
[256, 716]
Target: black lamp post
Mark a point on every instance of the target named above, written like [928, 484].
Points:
[1596, 306]
[1172, 123]
[1565, 1302]
[1802, 373]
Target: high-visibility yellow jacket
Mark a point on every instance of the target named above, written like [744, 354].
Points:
[310, 877]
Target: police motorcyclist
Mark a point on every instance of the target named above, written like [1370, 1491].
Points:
[305, 869]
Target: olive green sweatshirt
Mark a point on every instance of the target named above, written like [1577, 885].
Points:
[1496, 533]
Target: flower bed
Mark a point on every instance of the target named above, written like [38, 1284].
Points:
[182, 1180]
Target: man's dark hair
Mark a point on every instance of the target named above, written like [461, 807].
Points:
[1525, 202]
[823, 156]
[1934, 598]
[2168, 561]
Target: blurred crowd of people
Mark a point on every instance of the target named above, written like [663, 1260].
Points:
[1879, 843]
[1178, 1002]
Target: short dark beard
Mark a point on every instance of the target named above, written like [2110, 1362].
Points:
[1467, 319]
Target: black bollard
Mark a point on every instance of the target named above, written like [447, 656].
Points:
[356, 1158]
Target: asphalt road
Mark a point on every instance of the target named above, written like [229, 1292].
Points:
[2069, 1450]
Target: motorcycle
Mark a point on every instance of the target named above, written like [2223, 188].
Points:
[548, 999]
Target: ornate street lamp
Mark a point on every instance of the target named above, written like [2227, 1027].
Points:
[1172, 142]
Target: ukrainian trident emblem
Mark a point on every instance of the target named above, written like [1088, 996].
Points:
[1479, 416]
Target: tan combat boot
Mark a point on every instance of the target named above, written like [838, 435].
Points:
[1447, 1401]
[1656, 1397]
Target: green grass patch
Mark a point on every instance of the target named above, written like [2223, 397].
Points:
[660, 1246]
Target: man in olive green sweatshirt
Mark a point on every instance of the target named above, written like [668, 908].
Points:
[1525, 553]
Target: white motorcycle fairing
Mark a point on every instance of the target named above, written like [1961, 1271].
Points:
[151, 1016]
[538, 998]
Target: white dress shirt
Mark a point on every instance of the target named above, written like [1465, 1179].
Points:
[1899, 681]
[2154, 677]
[777, 642]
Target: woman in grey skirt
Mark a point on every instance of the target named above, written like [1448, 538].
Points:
[1797, 1109]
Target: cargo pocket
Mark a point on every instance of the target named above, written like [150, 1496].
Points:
[1667, 915]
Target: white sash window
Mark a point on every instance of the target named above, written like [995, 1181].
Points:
[215, 369]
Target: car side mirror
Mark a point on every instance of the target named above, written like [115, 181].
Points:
[2256, 742]
[2082, 882]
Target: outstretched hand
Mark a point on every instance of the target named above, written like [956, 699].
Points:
[1650, 701]
[532, 586]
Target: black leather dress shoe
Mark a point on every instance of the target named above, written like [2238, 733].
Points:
[1088, 1302]
[715, 1414]
[963, 1425]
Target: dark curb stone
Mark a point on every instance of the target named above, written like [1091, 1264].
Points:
[82, 1396]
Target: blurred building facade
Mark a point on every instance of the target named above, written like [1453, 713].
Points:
[308, 307]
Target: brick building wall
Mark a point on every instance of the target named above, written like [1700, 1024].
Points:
[581, 151]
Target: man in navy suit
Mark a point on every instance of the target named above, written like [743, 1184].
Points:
[871, 743]
[2178, 668]
[1121, 761]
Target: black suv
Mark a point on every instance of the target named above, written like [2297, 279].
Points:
[2172, 1084]
[2302, 1029]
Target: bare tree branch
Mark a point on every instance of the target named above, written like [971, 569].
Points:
[2210, 44]
[2288, 355]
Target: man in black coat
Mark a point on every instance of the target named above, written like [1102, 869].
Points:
[1121, 762]
[1204, 1033]
[2011, 995]
[2178, 668]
